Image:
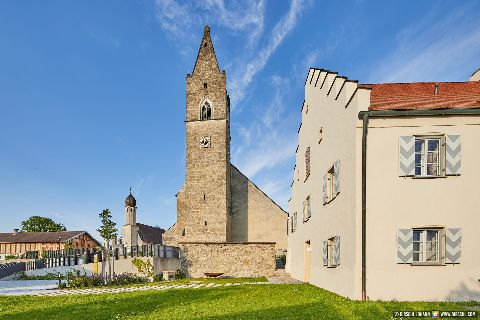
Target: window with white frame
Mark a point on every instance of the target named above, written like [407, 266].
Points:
[307, 209]
[428, 156]
[426, 245]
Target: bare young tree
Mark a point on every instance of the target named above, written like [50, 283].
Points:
[108, 232]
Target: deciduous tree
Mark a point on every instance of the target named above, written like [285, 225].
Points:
[41, 224]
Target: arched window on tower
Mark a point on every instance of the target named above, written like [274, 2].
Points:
[206, 111]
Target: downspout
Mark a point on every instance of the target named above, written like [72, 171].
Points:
[364, 205]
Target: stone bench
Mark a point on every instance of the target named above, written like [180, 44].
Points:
[168, 275]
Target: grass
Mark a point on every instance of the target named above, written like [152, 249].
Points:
[291, 301]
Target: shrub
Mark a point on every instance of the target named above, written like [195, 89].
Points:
[10, 257]
[158, 277]
[143, 266]
[94, 280]
[126, 278]
[48, 276]
[76, 280]
[179, 274]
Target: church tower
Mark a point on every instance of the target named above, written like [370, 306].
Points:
[206, 199]
[130, 229]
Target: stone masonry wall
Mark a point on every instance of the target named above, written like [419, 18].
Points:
[206, 202]
[255, 259]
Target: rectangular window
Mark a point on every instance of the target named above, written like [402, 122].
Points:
[428, 156]
[426, 245]
[307, 210]
[330, 183]
[307, 163]
[330, 249]
[294, 222]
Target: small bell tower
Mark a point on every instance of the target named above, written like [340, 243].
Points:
[130, 229]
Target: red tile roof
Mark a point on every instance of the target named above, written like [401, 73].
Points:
[421, 95]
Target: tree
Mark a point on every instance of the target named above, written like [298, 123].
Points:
[41, 224]
[108, 232]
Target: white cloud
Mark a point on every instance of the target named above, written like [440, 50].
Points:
[180, 18]
[435, 49]
[240, 82]
[268, 141]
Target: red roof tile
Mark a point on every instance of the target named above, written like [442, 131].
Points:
[421, 95]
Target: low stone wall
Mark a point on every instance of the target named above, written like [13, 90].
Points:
[121, 266]
[251, 259]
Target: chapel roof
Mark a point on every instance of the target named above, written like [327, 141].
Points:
[150, 234]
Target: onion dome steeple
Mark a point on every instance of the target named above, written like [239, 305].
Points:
[130, 200]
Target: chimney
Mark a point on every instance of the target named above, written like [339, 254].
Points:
[15, 231]
[475, 76]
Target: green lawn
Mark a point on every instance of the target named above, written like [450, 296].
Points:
[290, 301]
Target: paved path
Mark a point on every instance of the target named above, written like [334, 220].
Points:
[26, 287]
[282, 277]
[101, 290]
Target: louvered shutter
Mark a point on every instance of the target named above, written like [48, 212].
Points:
[336, 250]
[404, 246]
[325, 253]
[453, 155]
[336, 178]
[453, 245]
[406, 166]
[324, 188]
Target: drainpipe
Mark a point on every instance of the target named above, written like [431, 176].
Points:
[365, 115]
[364, 206]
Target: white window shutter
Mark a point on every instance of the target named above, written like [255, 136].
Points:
[453, 245]
[325, 253]
[404, 246]
[406, 152]
[336, 251]
[453, 155]
[336, 177]
[324, 188]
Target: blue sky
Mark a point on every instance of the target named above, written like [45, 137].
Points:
[92, 93]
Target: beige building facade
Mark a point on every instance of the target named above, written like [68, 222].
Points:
[217, 203]
[414, 183]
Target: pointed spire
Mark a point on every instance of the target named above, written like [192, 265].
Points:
[206, 58]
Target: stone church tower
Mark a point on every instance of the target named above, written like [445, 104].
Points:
[217, 205]
[207, 188]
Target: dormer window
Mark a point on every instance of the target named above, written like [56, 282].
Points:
[206, 111]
